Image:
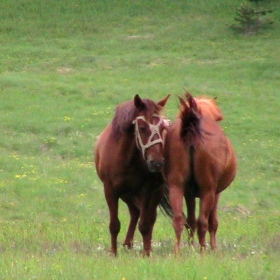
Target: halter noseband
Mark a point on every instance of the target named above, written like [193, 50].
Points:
[154, 131]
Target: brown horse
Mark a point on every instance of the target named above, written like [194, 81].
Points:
[199, 162]
[129, 161]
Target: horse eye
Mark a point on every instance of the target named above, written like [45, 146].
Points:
[142, 129]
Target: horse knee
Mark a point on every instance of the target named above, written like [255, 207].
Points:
[147, 222]
[213, 226]
[144, 228]
[191, 224]
[115, 227]
[202, 225]
[178, 224]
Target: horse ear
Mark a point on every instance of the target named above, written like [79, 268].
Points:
[182, 101]
[163, 101]
[139, 104]
[191, 100]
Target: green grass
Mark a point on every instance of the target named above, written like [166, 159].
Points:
[64, 66]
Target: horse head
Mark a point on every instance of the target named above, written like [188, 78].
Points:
[150, 127]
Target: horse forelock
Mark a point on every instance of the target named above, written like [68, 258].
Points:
[151, 108]
[126, 113]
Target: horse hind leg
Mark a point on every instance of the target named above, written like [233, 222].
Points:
[206, 206]
[213, 224]
[134, 216]
[114, 225]
[176, 202]
[190, 224]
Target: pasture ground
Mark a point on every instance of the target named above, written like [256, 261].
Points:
[64, 66]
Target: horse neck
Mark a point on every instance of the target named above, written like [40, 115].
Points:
[128, 148]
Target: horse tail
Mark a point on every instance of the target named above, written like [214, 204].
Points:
[190, 120]
[191, 132]
[164, 204]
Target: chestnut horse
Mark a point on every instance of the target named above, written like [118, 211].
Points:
[199, 163]
[129, 161]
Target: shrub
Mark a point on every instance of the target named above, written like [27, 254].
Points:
[251, 18]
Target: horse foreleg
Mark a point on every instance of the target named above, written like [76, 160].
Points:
[191, 220]
[206, 206]
[114, 225]
[134, 216]
[146, 224]
[213, 224]
[149, 203]
[176, 202]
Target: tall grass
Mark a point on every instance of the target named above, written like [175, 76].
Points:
[64, 67]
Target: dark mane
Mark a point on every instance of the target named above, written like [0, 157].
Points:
[126, 113]
[190, 120]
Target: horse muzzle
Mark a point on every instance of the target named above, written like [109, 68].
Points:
[155, 165]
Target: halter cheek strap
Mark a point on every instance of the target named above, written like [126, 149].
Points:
[154, 131]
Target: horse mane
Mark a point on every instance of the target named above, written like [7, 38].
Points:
[126, 113]
[192, 110]
[190, 119]
[209, 108]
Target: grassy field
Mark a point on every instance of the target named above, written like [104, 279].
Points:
[64, 66]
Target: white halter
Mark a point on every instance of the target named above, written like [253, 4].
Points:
[154, 131]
